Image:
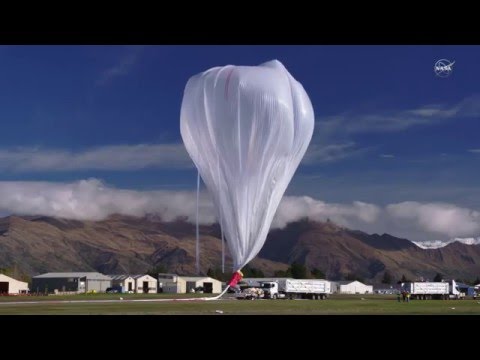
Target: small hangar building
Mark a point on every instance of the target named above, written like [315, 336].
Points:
[81, 282]
[125, 282]
[140, 284]
[171, 283]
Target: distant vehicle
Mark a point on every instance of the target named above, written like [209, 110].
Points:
[312, 289]
[468, 290]
[433, 290]
[114, 290]
[387, 291]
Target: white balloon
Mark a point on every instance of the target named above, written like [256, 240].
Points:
[246, 128]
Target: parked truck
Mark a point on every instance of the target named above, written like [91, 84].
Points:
[296, 289]
[433, 290]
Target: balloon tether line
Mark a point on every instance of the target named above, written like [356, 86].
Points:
[223, 246]
[197, 235]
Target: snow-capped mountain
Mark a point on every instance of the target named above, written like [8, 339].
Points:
[436, 244]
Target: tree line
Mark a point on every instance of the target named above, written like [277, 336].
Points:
[300, 271]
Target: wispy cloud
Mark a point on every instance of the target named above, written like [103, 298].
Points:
[334, 135]
[318, 153]
[121, 67]
[387, 156]
[134, 157]
[115, 157]
[475, 151]
[391, 121]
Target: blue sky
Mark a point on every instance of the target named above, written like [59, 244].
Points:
[388, 130]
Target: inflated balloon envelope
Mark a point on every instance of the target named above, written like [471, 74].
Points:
[246, 128]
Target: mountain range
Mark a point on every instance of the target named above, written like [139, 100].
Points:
[124, 244]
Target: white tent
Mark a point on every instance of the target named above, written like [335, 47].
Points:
[10, 285]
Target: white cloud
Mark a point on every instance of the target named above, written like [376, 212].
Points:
[387, 156]
[440, 218]
[115, 157]
[470, 106]
[332, 140]
[294, 208]
[93, 200]
[475, 151]
[317, 153]
[391, 121]
[134, 157]
[379, 122]
[121, 68]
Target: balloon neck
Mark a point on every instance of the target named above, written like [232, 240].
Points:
[236, 277]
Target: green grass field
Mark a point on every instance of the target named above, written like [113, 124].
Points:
[336, 305]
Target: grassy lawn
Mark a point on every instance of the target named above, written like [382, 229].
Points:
[336, 305]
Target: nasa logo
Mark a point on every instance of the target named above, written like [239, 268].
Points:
[443, 68]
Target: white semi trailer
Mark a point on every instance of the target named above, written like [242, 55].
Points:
[296, 289]
[433, 290]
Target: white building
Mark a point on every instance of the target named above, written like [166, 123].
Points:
[80, 282]
[353, 287]
[126, 282]
[171, 283]
[10, 285]
[145, 284]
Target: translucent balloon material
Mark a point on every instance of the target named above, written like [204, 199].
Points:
[246, 128]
